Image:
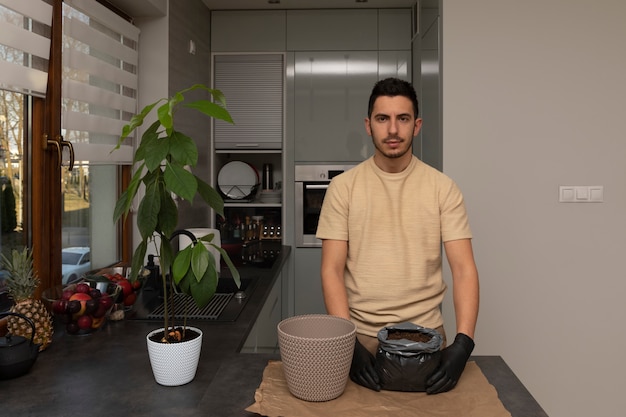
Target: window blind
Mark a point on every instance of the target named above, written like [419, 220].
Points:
[25, 45]
[99, 97]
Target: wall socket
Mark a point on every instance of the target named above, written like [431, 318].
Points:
[581, 194]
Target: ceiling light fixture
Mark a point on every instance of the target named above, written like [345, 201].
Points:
[361, 1]
[273, 1]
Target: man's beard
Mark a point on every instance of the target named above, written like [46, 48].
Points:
[396, 153]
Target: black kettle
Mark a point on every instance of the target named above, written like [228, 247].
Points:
[17, 354]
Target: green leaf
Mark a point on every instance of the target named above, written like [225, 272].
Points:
[168, 215]
[147, 214]
[207, 238]
[218, 96]
[148, 139]
[211, 196]
[200, 261]
[135, 122]
[184, 283]
[181, 264]
[234, 272]
[156, 152]
[180, 181]
[165, 115]
[165, 255]
[211, 109]
[202, 291]
[125, 201]
[121, 205]
[138, 257]
[183, 149]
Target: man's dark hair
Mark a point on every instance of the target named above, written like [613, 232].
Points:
[393, 87]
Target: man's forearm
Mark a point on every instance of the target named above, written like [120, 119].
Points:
[466, 301]
[333, 286]
[335, 296]
[465, 285]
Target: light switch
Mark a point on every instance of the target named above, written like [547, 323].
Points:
[566, 194]
[596, 193]
[581, 194]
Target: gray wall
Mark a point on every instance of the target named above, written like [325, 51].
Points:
[533, 98]
[190, 22]
[153, 72]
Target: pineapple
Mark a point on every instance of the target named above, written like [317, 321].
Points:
[21, 285]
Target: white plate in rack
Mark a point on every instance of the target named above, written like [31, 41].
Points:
[237, 180]
[270, 196]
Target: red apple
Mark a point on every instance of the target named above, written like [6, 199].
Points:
[67, 294]
[106, 300]
[83, 288]
[130, 299]
[84, 322]
[59, 306]
[127, 287]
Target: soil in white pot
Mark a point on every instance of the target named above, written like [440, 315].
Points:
[175, 335]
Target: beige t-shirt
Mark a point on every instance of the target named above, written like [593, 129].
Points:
[395, 225]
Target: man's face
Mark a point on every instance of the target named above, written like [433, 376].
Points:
[392, 126]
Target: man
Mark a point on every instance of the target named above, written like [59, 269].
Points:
[382, 225]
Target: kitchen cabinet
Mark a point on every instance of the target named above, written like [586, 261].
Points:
[331, 91]
[332, 30]
[394, 64]
[331, 94]
[253, 85]
[263, 337]
[249, 31]
[394, 29]
[308, 296]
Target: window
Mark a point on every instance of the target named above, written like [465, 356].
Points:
[25, 31]
[98, 99]
[50, 109]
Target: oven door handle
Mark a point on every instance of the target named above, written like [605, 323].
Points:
[316, 186]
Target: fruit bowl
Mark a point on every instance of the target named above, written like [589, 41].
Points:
[83, 306]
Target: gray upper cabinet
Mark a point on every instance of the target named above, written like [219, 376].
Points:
[394, 64]
[248, 31]
[253, 85]
[331, 94]
[332, 30]
[394, 29]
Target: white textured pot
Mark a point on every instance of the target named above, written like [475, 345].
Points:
[174, 363]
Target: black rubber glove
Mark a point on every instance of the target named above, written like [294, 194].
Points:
[363, 369]
[453, 360]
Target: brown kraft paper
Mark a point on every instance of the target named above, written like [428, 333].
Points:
[473, 396]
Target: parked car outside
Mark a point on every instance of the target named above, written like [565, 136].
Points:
[76, 262]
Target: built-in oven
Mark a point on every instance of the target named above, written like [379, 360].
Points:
[311, 184]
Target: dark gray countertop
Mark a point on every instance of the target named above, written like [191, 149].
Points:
[108, 372]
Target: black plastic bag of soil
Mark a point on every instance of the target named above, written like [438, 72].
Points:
[406, 357]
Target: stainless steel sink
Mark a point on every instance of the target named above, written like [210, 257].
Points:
[226, 305]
